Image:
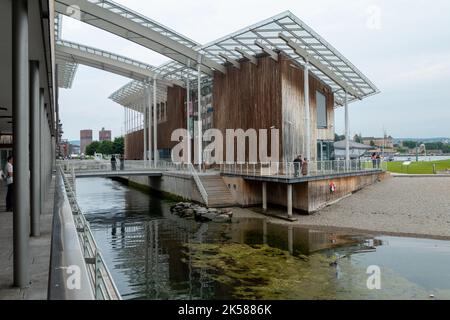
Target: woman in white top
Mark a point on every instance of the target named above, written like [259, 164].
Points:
[9, 181]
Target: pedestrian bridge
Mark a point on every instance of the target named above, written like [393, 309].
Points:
[105, 169]
[117, 174]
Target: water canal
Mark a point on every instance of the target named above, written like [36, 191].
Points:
[155, 255]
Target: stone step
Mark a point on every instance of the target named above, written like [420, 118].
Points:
[217, 190]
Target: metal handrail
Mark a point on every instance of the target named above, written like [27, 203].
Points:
[100, 277]
[199, 183]
[292, 170]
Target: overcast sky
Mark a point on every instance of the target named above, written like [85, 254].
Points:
[402, 46]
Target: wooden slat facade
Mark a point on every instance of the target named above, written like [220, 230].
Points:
[248, 98]
[293, 106]
[134, 145]
[270, 95]
[176, 119]
[176, 116]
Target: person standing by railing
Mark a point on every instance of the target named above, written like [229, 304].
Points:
[9, 181]
[113, 163]
[298, 165]
[305, 167]
[374, 160]
[122, 162]
[378, 161]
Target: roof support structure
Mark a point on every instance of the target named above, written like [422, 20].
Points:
[113, 18]
[266, 50]
[319, 65]
[100, 60]
[235, 64]
[247, 56]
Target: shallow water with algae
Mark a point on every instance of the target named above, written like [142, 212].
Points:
[155, 255]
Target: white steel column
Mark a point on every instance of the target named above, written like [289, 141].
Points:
[199, 113]
[155, 124]
[35, 103]
[145, 123]
[21, 127]
[188, 99]
[150, 117]
[347, 131]
[307, 113]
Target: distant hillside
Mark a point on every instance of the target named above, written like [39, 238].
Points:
[75, 142]
[425, 140]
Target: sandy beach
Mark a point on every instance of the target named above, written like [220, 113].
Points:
[418, 206]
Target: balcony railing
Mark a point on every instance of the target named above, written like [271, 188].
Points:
[296, 170]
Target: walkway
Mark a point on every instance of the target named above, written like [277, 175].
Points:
[116, 174]
[40, 254]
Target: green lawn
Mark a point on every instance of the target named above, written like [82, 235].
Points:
[418, 167]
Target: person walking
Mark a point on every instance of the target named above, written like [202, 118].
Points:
[113, 163]
[9, 181]
[298, 165]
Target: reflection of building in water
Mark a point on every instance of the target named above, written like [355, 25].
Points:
[152, 256]
[296, 240]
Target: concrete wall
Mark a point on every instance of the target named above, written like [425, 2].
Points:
[179, 185]
[307, 197]
[319, 194]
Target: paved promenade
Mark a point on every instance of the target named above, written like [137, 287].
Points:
[40, 254]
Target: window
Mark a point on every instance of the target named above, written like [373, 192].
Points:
[325, 150]
[321, 108]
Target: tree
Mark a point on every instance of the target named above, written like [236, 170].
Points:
[410, 144]
[106, 147]
[372, 143]
[446, 148]
[338, 137]
[358, 138]
[92, 148]
[119, 145]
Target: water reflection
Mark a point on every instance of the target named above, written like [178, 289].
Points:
[155, 255]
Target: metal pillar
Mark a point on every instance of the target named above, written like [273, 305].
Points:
[145, 127]
[20, 95]
[347, 131]
[188, 99]
[155, 125]
[307, 113]
[35, 151]
[199, 116]
[42, 123]
[150, 126]
[289, 200]
[264, 195]
[57, 111]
